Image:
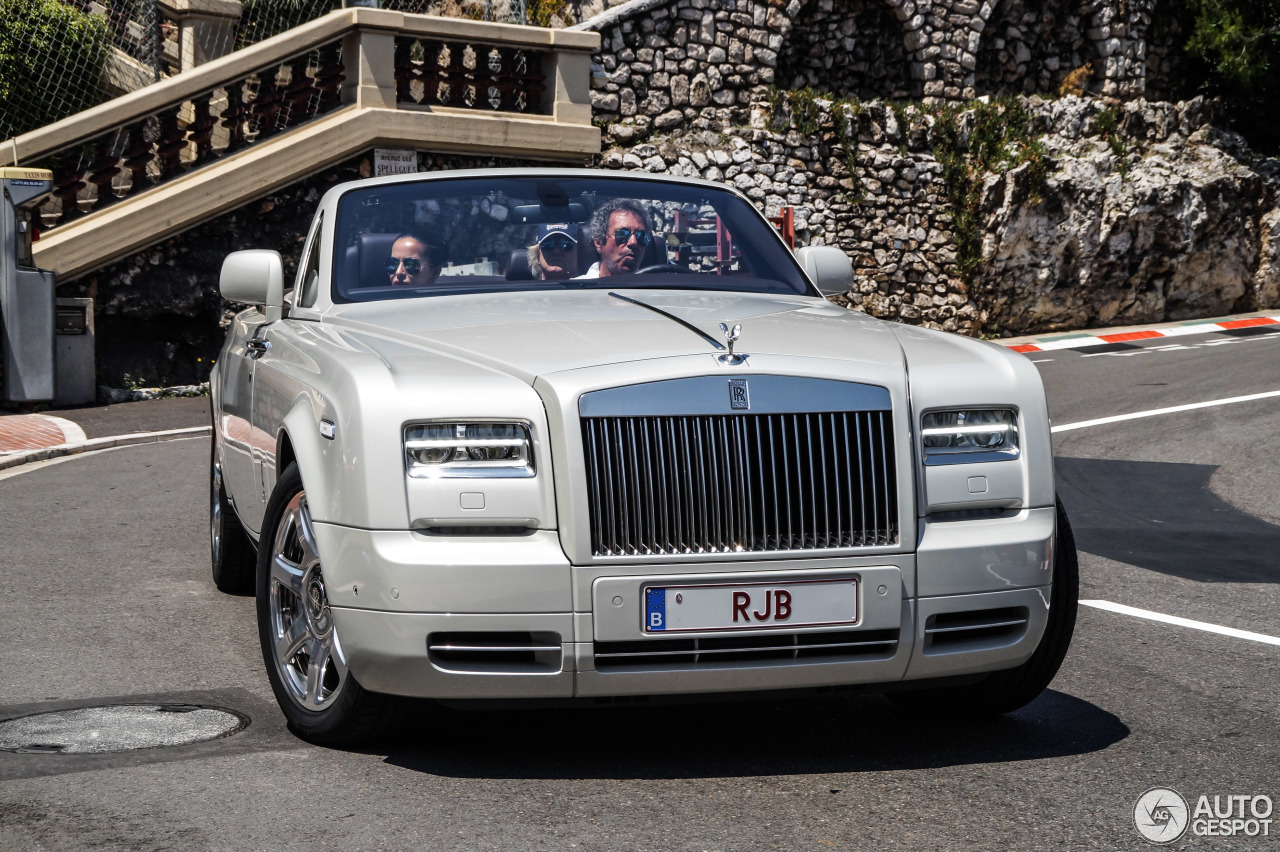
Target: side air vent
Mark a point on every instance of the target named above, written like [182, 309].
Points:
[730, 651]
[495, 652]
[978, 628]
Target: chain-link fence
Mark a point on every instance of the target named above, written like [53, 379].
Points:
[58, 57]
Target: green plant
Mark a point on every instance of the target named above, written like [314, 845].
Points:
[806, 112]
[1107, 124]
[52, 61]
[542, 13]
[1234, 46]
[999, 138]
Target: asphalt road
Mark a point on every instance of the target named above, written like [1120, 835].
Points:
[106, 598]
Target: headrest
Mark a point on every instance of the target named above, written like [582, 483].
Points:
[518, 266]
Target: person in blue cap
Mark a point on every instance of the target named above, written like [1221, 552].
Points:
[554, 257]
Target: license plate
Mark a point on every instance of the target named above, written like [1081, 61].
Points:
[738, 606]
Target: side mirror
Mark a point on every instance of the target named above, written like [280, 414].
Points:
[255, 277]
[827, 267]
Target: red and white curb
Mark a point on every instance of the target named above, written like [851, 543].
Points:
[1076, 341]
[11, 460]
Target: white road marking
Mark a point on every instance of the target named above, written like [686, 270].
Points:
[1183, 622]
[1041, 360]
[25, 461]
[1085, 424]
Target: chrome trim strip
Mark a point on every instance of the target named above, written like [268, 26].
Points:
[706, 395]
[990, 625]
[505, 649]
[935, 459]
[745, 649]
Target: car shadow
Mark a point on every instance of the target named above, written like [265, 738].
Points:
[856, 732]
[1162, 516]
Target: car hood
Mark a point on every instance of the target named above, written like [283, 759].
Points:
[530, 334]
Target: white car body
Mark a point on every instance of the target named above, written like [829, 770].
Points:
[418, 571]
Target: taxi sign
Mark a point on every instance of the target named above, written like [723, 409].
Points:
[23, 174]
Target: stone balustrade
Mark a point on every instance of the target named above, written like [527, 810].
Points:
[269, 114]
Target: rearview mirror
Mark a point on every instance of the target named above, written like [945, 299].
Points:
[255, 277]
[542, 214]
[828, 267]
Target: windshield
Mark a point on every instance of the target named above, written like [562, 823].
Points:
[476, 235]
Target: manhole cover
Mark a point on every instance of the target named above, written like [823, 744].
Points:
[96, 730]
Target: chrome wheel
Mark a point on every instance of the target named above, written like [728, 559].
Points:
[307, 654]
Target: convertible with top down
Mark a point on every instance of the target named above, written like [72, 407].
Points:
[575, 435]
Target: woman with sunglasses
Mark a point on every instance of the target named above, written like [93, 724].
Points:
[554, 257]
[415, 260]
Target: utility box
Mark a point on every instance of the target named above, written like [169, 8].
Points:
[75, 371]
[26, 293]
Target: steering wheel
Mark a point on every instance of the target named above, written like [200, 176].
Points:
[663, 267]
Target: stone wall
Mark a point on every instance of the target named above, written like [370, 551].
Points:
[697, 63]
[1029, 48]
[860, 52]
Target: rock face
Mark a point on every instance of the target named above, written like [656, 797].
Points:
[1171, 221]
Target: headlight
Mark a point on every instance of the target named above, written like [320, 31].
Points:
[466, 450]
[969, 435]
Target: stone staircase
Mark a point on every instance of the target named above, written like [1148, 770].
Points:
[145, 166]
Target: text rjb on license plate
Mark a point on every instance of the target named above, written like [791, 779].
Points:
[670, 609]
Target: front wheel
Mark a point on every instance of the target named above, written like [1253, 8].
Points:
[1006, 691]
[300, 646]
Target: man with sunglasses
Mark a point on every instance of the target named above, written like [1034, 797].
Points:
[621, 234]
[415, 260]
[554, 257]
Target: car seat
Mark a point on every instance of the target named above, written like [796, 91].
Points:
[366, 261]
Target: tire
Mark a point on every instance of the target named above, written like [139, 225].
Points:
[319, 696]
[1009, 690]
[234, 558]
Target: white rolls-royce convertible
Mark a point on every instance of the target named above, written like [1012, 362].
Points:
[583, 436]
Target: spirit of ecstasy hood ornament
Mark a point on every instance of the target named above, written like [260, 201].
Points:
[731, 335]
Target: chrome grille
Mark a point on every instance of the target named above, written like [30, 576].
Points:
[740, 483]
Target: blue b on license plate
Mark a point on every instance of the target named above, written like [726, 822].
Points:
[738, 606]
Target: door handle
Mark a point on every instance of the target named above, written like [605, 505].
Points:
[257, 348]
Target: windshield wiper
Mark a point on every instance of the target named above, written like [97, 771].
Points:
[717, 344]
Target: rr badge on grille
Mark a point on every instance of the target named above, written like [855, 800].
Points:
[738, 398]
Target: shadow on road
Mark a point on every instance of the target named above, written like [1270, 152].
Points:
[856, 733]
[1162, 516]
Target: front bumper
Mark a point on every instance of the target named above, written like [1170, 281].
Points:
[509, 617]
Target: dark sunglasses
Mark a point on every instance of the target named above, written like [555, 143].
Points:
[556, 244]
[411, 265]
[622, 235]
